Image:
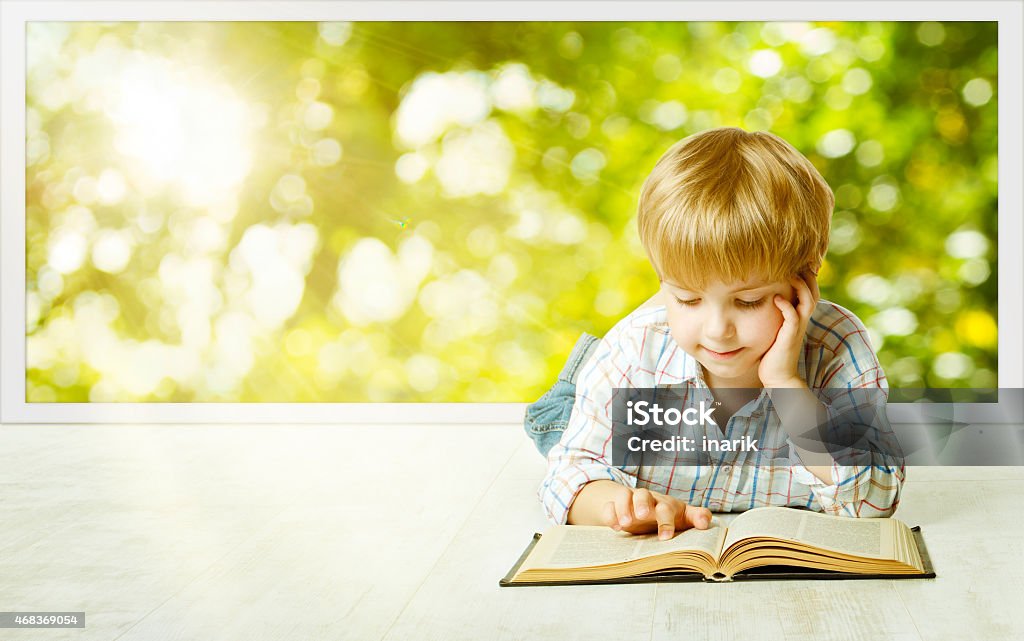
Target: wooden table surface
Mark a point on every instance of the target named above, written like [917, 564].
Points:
[387, 532]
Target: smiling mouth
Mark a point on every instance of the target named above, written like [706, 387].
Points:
[723, 355]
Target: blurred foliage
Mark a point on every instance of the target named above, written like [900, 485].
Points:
[399, 212]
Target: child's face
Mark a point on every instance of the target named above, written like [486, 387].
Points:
[727, 327]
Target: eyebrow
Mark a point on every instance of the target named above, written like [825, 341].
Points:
[735, 291]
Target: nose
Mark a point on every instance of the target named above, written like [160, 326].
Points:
[718, 326]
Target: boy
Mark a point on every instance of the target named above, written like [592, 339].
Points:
[736, 225]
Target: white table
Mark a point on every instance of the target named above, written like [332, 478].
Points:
[386, 532]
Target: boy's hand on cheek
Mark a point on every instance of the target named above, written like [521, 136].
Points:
[778, 366]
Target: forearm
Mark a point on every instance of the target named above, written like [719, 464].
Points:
[863, 491]
[822, 470]
[868, 484]
[586, 509]
[800, 414]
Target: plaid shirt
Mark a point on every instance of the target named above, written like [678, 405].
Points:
[639, 352]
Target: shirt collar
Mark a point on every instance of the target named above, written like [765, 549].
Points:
[676, 367]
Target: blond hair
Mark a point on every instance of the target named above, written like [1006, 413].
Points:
[731, 204]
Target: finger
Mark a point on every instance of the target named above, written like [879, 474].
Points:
[812, 282]
[790, 322]
[805, 298]
[810, 279]
[643, 503]
[666, 514]
[610, 517]
[624, 507]
[789, 313]
[694, 516]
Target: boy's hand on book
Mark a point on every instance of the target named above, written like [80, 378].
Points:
[640, 511]
[778, 366]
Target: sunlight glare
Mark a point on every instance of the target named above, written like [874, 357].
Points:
[182, 127]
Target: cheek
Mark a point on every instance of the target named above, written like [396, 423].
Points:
[762, 326]
[683, 327]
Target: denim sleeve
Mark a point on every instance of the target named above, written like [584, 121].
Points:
[547, 418]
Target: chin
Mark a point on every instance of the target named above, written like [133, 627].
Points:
[728, 371]
[739, 370]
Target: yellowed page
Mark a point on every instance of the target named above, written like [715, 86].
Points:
[568, 546]
[859, 537]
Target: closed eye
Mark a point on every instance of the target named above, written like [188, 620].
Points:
[745, 304]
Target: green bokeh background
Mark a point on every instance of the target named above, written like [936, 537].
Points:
[506, 230]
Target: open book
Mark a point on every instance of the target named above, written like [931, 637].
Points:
[767, 542]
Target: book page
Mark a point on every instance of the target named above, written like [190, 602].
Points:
[709, 540]
[859, 537]
[780, 523]
[566, 546]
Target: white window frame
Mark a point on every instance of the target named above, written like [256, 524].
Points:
[15, 14]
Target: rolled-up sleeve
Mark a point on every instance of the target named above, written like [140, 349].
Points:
[868, 468]
[584, 452]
